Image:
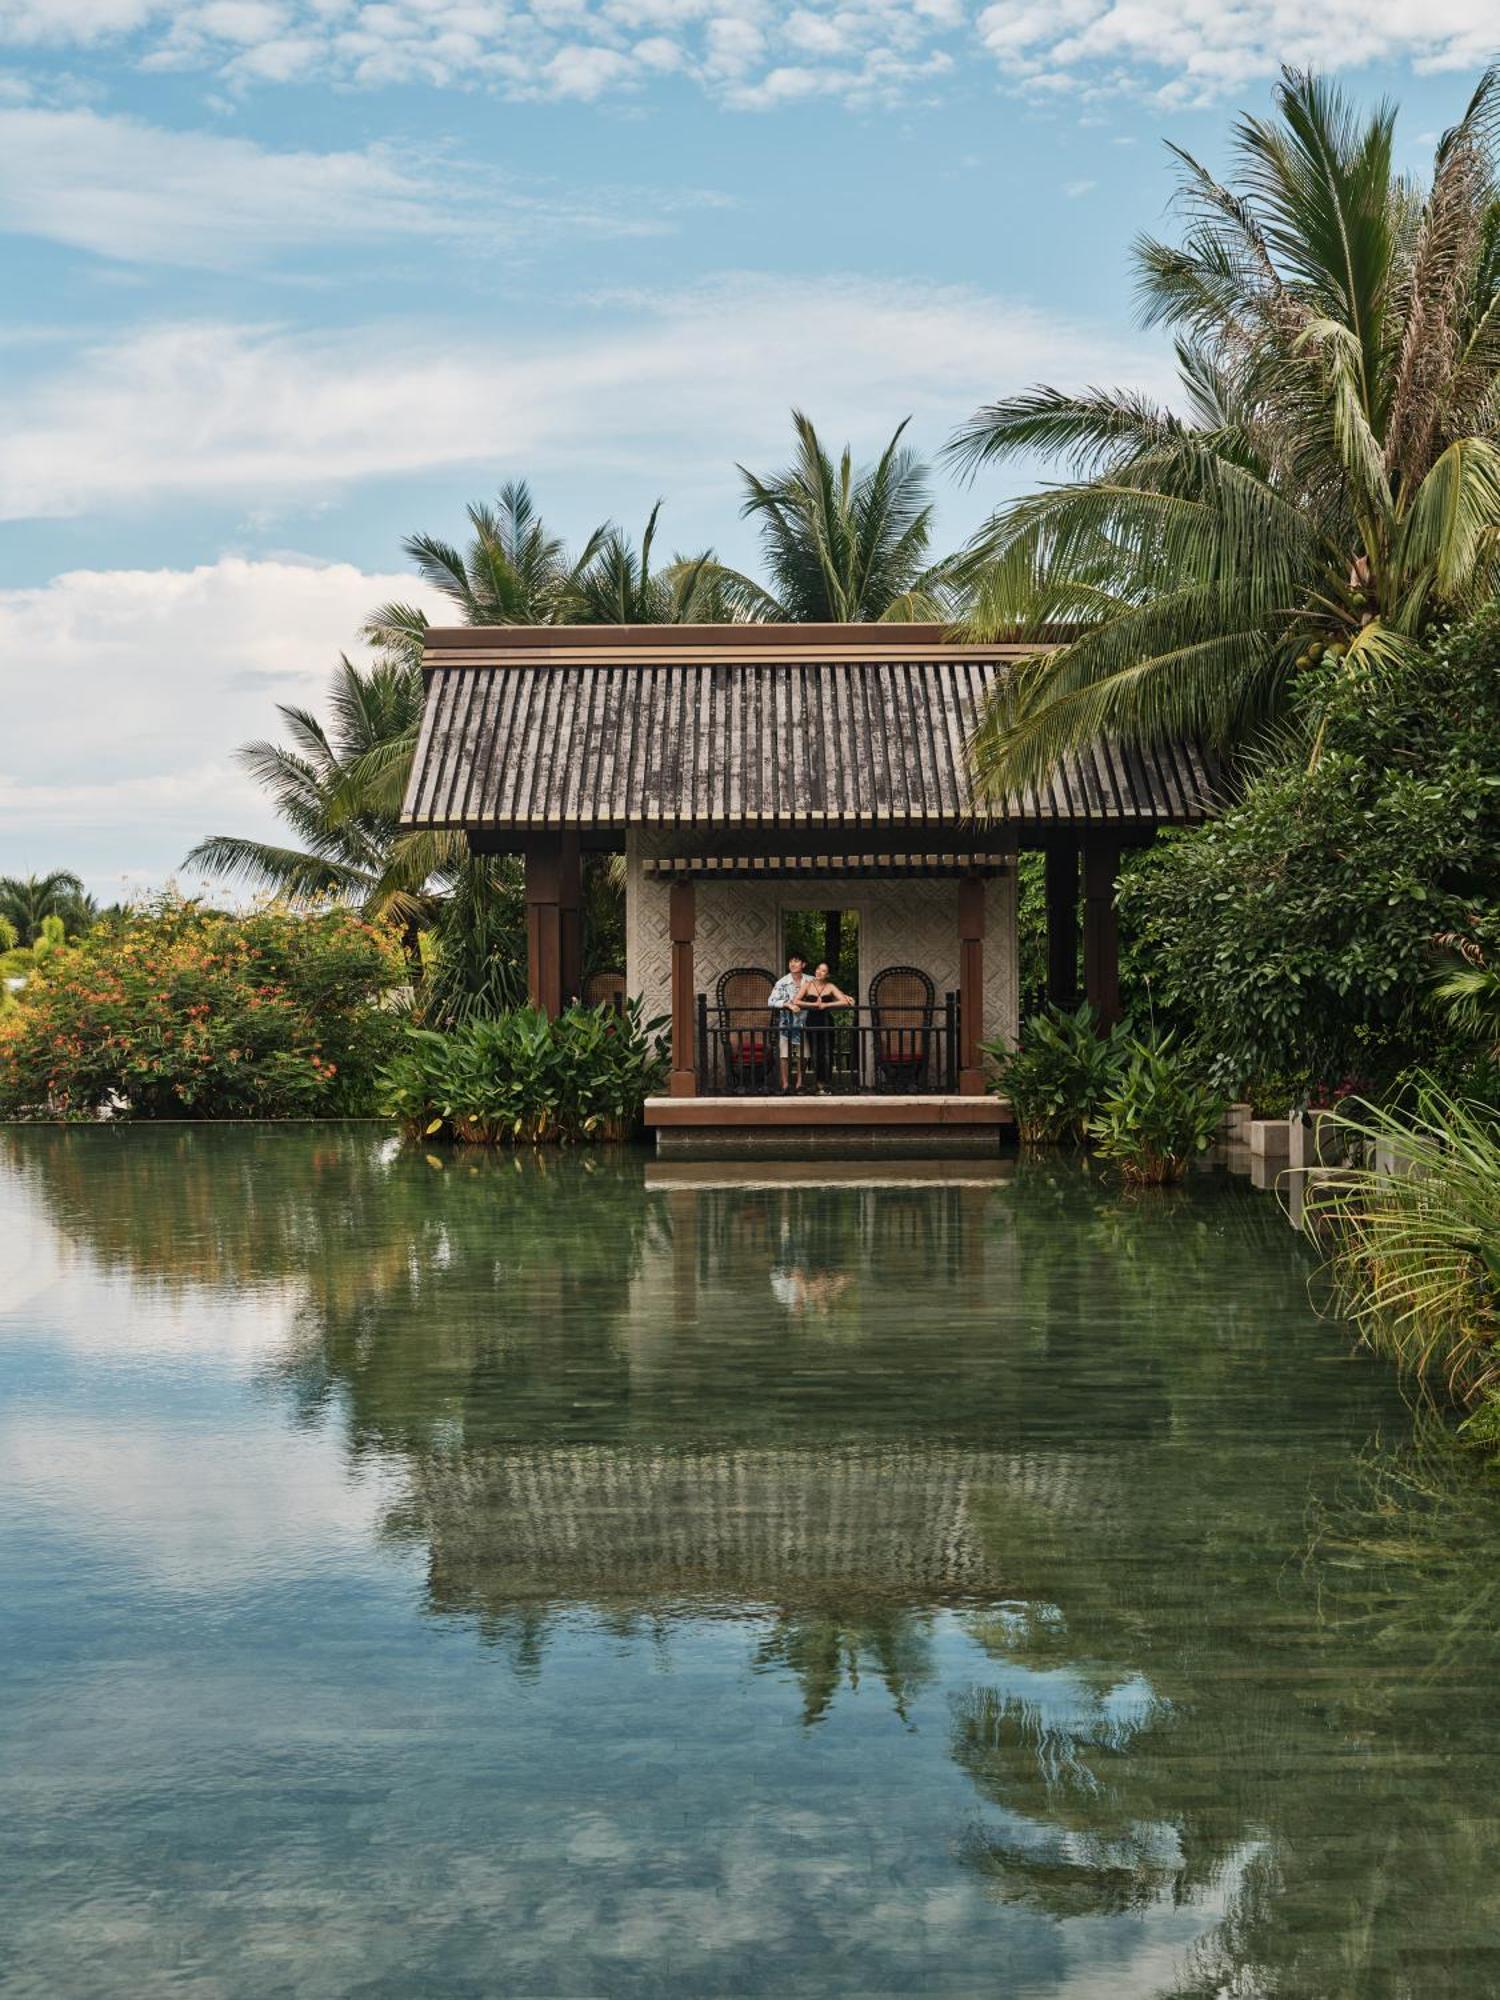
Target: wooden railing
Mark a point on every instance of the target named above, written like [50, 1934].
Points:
[845, 1050]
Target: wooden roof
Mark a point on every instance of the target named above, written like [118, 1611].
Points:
[742, 726]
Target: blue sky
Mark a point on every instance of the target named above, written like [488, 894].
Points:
[287, 279]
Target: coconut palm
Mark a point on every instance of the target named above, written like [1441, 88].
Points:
[27, 901]
[345, 842]
[1332, 480]
[514, 571]
[840, 543]
[617, 585]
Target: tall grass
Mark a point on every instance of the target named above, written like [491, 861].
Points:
[1415, 1239]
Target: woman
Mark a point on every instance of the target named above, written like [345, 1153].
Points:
[819, 999]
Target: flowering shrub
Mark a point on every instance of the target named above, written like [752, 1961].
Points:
[188, 1012]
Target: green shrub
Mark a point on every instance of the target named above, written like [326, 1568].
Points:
[1298, 934]
[522, 1078]
[1158, 1115]
[1059, 1075]
[187, 1012]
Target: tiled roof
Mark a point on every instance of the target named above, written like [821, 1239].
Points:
[742, 726]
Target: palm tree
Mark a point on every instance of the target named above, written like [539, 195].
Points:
[513, 572]
[346, 841]
[840, 543]
[617, 585]
[1333, 481]
[516, 572]
[26, 903]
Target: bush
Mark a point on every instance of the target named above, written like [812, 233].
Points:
[1158, 1115]
[188, 1012]
[1059, 1075]
[1298, 934]
[521, 1077]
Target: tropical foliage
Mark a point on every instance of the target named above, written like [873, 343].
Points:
[1157, 1116]
[1333, 481]
[345, 841]
[187, 1012]
[519, 1077]
[1299, 934]
[1415, 1256]
[516, 571]
[840, 543]
[27, 901]
[22, 962]
[1059, 1074]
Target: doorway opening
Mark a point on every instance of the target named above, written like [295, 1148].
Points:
[831, 935]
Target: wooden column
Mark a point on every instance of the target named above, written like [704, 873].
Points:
[1101, 937]
[970, 985]
[544, 948]
[684, 1077]
[570, 913]
[1062, 923]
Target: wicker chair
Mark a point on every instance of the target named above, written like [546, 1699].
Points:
[605, 989]
[744, 1019]
[902, 1001]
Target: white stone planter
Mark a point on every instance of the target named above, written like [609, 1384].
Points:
[1236, 1127]
[1270, 1141]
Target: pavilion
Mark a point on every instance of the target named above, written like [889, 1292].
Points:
[748, 772]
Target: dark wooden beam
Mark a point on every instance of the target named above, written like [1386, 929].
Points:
[1101, 936]
[570, 915]
[1062, 923]
[544, 948]
[683, 922]
[970, 985]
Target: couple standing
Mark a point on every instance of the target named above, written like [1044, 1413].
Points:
[802, 1001]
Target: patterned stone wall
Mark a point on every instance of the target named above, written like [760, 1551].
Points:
[900, 923]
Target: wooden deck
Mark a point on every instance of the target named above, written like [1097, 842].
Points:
[798, 1127]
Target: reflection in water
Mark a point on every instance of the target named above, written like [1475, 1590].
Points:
[909, 1584]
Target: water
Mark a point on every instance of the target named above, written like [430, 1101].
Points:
[455, 1577]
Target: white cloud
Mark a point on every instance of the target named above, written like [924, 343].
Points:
[754, 53]
[683, 385]
[1196, 50]
[139, 193]
[136, 1492]
[138, 685]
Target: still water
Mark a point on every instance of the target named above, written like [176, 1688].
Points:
[571, 1578]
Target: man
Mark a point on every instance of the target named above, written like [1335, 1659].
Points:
[786, 1017]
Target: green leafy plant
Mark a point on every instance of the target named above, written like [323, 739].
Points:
[1415, 1241]
[187, 1012]
[1060, 1073]
[520, 1078]
[1158, 1116]
[1297, 935]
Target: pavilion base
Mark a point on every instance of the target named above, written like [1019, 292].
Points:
[828, 1128]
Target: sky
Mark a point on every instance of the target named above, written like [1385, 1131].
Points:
[288, 280]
